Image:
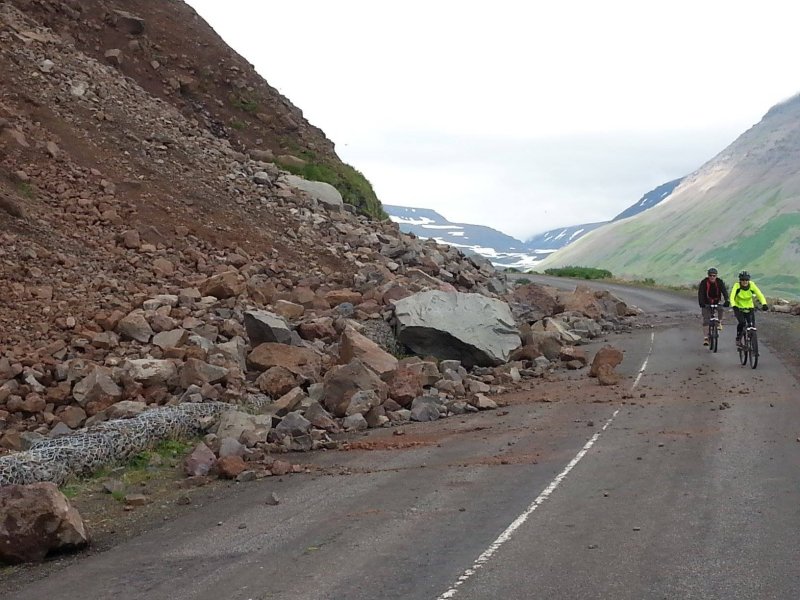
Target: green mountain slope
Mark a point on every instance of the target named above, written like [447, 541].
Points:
[741, 210]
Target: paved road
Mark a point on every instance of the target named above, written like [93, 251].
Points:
[664, 492]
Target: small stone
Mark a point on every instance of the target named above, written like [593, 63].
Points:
[272, 500]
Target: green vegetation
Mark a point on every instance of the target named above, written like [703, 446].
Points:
[512, 270]
[238, 125]
[138, 469]
[522, 281]
[745, 250]
[579, 272]
[246, 104]
[351, 183]
[26, 190]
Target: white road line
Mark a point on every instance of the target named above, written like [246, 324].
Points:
[517, 523]
[644, 364]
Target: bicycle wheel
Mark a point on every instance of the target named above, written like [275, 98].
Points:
[743, 353]
[713, 337]
[753, 350]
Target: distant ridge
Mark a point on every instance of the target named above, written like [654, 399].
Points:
[739, 210]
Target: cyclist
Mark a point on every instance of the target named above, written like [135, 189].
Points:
[742, 294]
[711, 290]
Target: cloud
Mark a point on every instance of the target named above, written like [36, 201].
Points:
[522, 116]
[526, 186]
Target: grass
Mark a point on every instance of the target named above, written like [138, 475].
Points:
[26, 190]
[238, 125]
[579, 272]
[246, 104]
[135, 471]
[355, 189]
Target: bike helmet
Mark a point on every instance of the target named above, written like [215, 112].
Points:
[712, 271]
[744, 275]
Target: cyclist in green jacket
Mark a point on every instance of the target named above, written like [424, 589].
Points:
[742, 294]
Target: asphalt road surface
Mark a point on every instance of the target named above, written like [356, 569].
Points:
[683, 482]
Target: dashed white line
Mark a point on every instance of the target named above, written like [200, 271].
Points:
[517, 523]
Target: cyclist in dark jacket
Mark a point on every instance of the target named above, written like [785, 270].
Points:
[711, 290]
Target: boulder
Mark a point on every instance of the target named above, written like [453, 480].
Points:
[224, 285]
[354, 345]
[342, 382]
[263, 326]
[35, 520]
[472, 328]
[300, 361]
[320, 191]
[95, 387]
[151, 371]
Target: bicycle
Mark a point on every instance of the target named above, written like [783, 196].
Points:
[713, 327]
[748, 348]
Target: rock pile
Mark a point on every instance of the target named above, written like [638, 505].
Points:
[156, 266]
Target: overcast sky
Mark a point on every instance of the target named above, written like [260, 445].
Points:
[524, 116]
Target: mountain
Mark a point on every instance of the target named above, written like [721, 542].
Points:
[502, 249]
[650, 199]
[548, 242]
[740, 210]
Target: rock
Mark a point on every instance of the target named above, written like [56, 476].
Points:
[200, 461]
[198, 372]
[230, 467]
[481, 402]
[293, 424]
[320, 191]
[472, 328]
[300, 361]
[608, 356]
[289, 310]
[136, 499]
[151, 371]
[425, 408]
[223, 285]
[289, 402]
[96, 387]
[263, 326]
[280, 468]
[354, 345]
[276, 381]
[127, 22]
[231, 447]
[134, 326]
[171, 339]
[406, 384]
[355, 422]
[35, 520]
[320, 418]
[127, 409]
[342, 382]
[362, 402]
[233, 423]
[534, 302]
[262, 178]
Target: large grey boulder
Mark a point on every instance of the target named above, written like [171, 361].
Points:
[472, 328]
[320, 191]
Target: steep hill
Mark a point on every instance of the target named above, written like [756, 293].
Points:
[168, 50]
[741, 210]
[112, 190]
